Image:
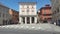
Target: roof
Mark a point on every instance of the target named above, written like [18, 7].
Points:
[4, 6]
[14, 10]
[46, 7]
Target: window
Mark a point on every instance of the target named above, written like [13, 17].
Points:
[22, 6]
[13, 14]
[22, 11]
[0, 14]
[16, 16]
[6, 15]
[32, 7]
[58, 10]
[44, 12]
[55, 12]
[27, 10]
[47, 14]
[32, 10]
[27, 6]
[3, 15]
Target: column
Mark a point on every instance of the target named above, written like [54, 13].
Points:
[35, 20]
[30, 20]
[25, 20]
[20, 20]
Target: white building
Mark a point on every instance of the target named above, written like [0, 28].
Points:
[27, 13]
[4, 15]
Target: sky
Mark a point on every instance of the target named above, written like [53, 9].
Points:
[13, 4]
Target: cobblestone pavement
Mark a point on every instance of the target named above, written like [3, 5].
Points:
[19, 31]
[47, 27]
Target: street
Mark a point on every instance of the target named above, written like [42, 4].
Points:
[30, 29]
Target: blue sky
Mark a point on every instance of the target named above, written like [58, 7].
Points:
[13, 4]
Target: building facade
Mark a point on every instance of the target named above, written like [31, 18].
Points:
[27, 13]
[4, 15]
[14, 16]
[45, 14]
[56, 10]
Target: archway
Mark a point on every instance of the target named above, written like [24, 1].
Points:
[28, 20]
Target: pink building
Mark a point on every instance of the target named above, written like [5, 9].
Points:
[45, 13]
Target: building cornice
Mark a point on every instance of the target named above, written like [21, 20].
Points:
[27, 2]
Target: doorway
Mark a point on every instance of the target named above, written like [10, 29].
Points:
[32, 19]
[23, 19]
[28, 20]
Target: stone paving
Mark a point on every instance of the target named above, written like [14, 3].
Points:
[47, 27]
